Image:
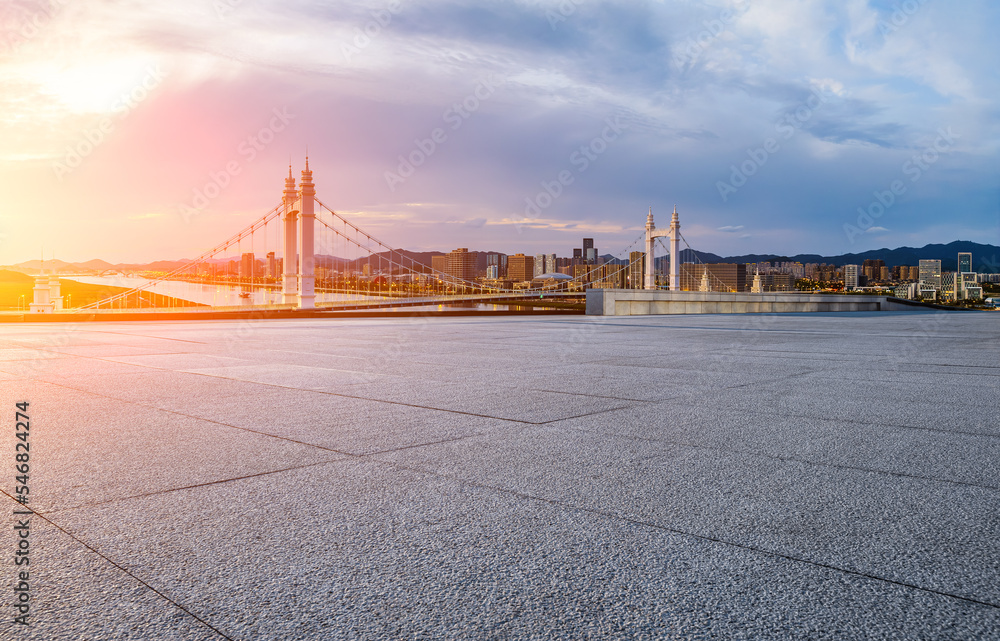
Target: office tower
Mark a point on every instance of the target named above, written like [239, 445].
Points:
[498, 263]
[930, 273]
[850, 277]
[550, 263]
[871, 268]
[271, 265]
[964, 262]
[246, 265]
[440, 264]
[462, 264]
[539, 265]
[589, 253]
[520, 267]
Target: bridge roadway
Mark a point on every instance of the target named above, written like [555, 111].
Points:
[741, 476]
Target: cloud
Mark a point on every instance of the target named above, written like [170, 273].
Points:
[558, 81]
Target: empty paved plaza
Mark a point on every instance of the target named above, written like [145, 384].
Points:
[731, 476]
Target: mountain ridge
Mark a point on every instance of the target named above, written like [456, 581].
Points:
[986, 259]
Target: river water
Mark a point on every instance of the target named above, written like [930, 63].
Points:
[229, 295]
[210, 294]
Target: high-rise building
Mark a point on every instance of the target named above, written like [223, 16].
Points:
[930, 272]
[589, 252]
[462, 264]
[778, 282]
[520, 267]
[550, 263]
[271, 265]
[498, 262]
[636, 270]
[850, 277]
[440, 264]
[872, 269]
[964, 262]
[246, 265]
[539, 265]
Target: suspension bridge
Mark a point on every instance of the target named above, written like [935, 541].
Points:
[303, 255]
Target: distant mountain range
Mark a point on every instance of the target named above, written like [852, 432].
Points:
[985, 258]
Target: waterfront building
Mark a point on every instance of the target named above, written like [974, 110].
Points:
[520, 268]
[850, 277]
[930, 272]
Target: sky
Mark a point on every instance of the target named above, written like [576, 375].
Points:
[134, 131]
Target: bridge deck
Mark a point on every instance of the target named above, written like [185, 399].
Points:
[740, 476]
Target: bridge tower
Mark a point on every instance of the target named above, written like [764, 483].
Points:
[673, 232]
[289, 284]
[307, 235]
[675, 251]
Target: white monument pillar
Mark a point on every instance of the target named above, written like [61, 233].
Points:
[55, 295]
[307, 224]
[675, 252]
[289, 284]
[41, 303]
[650, 280]
[706, 286]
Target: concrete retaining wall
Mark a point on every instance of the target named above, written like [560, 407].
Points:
[632, 302]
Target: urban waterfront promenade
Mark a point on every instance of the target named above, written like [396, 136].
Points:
[700, 476]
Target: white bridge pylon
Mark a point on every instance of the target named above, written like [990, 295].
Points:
[299, 216]
[674, 234]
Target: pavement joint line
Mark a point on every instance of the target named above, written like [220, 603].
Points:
[774, 381]
[161, 338]
[126, 571]
[570, 418]
[614, 398]
[285, 438]
[695, 535]
[316, 391]
[683, 401]
[186, 487]
[297, 389]
[777, 457]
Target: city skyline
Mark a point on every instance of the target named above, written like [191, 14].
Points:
[153, 133]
